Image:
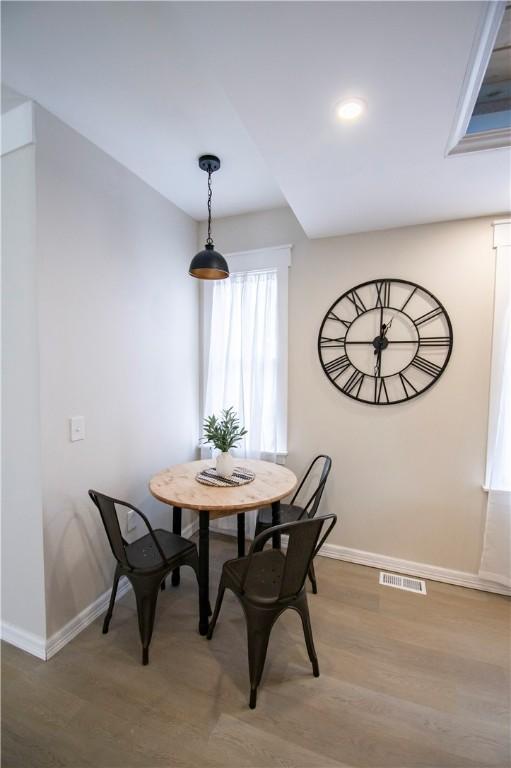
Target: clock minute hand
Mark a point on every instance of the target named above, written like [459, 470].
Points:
[377, 367]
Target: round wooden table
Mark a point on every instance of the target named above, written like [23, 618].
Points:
[178, 487]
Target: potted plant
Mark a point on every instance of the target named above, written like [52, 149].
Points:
[223, 433]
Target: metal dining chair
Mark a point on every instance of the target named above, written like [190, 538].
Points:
[293, 511]
[145, 562]
[267, 582]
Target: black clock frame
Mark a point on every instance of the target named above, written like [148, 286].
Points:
[383, 282]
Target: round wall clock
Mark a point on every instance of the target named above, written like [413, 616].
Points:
[385, 341]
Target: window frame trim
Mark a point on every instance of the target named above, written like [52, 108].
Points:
[459, 142]
[502, 248]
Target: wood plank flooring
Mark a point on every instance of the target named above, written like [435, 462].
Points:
[406, 681]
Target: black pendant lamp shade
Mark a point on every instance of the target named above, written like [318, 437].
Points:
[209, 264]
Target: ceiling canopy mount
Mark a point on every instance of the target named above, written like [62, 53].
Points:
[209, 163]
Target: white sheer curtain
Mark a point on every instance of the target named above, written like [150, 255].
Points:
[496, 555]
[242, 349]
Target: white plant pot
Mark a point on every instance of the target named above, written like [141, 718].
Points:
[225, 464]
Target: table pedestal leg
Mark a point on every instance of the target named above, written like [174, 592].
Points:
[203, 572]
[275, 520]
[176, 528]
[241, 534]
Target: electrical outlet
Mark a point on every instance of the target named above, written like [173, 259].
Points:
[131, 521]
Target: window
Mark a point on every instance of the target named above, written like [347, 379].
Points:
[483, 120]
[244, 328]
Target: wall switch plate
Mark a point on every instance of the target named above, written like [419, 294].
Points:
[131, 521]
[76, 428]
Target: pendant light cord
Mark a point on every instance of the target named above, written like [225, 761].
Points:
[209, 240]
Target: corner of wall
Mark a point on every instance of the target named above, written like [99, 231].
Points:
[22, 525]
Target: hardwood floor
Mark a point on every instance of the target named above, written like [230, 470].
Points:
[406, 681]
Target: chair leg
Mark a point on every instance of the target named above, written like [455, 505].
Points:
[146, 593]
[312, 577]
[176, 528]
[106, 622]
[303, 610]
[258, 634]
[162, 587]
[218, 605]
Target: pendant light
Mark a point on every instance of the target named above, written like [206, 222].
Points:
[209, 264]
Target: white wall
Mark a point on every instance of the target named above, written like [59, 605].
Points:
[407, 479]
[116, 334]
[23, 604]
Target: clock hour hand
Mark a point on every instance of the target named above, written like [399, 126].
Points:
[385, 328]
[383, 332]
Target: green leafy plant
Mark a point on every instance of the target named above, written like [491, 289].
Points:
[223, 433]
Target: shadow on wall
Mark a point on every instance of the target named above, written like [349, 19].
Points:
[81, 566]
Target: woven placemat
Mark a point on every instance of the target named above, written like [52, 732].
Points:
[240, 476]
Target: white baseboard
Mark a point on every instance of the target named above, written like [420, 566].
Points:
[386, 563]
[60, 638]
[25, 641]
[191, 528]
[422, 570]
[495, 578]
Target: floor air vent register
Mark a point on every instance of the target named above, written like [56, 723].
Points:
[403, 582]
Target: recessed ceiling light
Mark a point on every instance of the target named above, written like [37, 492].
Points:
[350, 109]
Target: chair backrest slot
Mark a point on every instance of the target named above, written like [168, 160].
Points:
[108, 512]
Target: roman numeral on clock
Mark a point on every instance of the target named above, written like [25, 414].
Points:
[407, 386]
[380, 388]
[357, 302]
[428, 316]
[434, 341]
[337, 366]
[354, 382]
[332, 343]
[408, 299]
[382, 293]
[426, 366]
[332, 316]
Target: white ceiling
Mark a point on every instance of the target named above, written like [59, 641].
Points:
[124, 75]
[157, 84]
